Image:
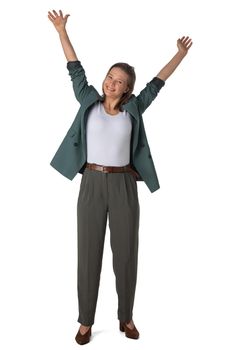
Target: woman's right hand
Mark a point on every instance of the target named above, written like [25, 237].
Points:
[58, 21]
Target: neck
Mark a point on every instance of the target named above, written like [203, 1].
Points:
[110, 104]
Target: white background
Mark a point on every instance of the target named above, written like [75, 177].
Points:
[184, 290]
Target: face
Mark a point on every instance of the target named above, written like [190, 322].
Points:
[116, 83]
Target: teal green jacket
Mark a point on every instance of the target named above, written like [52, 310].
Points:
[71, 156]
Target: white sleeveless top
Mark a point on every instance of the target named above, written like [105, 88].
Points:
[108, 137]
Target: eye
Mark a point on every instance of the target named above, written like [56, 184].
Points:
[109, 76]
[120, 82]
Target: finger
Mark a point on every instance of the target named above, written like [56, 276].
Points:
[55, 12]
[51, 15]
[188, 42]
[179, 42]
[66, 16]
[188, 47]
[50, 19]
[185, 40]
[61, 14]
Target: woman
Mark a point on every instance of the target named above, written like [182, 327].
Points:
[107, 144]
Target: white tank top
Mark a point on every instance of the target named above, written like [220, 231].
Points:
[108, 137]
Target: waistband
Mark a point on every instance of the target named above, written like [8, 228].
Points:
[109, 169]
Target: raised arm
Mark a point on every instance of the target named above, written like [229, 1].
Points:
[183, 45]
[59, 22]
[80, 85]
[148, 94]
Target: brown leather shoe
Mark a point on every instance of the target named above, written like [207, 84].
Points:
[129, 333]
[82, 339]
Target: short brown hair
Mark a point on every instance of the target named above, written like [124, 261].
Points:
[129, 70]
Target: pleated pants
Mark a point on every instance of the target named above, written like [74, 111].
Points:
[101, 196]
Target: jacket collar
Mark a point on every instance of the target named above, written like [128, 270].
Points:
[129, 107]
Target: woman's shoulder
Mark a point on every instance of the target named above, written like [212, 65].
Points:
[132, 99]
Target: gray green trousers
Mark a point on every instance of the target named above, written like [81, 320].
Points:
[101, 196]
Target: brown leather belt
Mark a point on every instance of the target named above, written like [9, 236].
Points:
[112, 169]
[108, 169]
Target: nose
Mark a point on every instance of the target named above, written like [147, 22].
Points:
[111, 83]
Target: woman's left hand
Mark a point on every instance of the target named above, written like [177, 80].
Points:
[184, 44]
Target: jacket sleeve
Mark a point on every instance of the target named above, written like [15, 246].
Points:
[79, 80]
[148, 94]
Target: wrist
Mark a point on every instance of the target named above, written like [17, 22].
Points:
[61, 31]
[182, 54]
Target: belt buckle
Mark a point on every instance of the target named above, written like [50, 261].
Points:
[104, 170]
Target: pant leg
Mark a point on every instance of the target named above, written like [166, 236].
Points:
[124, 225]
[92, 218]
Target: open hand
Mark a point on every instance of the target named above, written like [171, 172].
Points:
[58, 21]
[184, 44]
